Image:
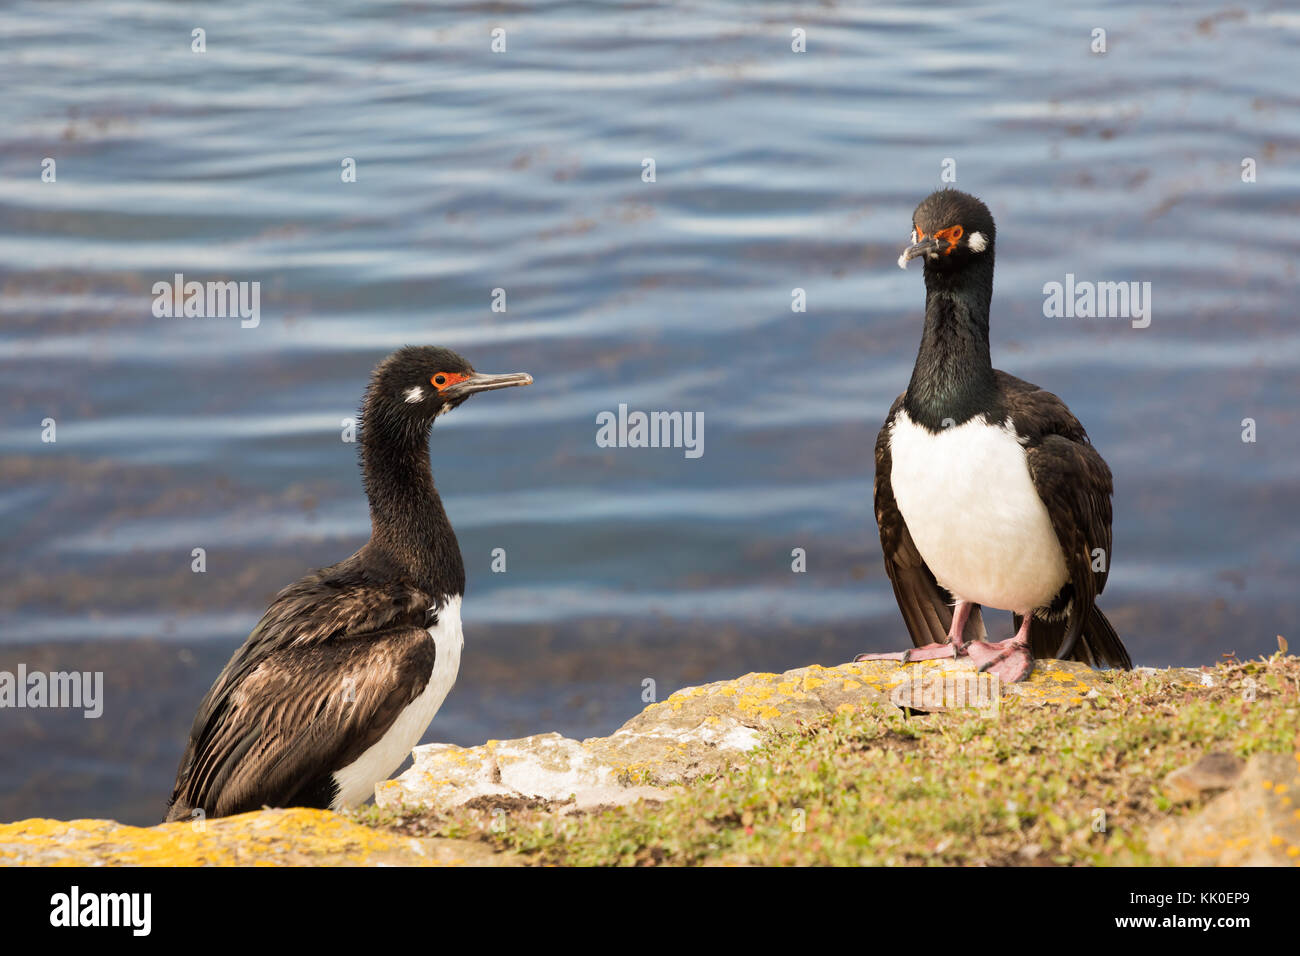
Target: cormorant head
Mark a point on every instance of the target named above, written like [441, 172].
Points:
[950, 229]
[421, 382]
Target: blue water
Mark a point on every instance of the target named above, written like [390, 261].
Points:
[522, 171]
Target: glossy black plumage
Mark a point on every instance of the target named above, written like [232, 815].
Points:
[953, 381]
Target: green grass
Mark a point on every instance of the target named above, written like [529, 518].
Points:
[1040, 785]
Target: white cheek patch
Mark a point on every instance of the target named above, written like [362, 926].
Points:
[978, 242]
[414, 395]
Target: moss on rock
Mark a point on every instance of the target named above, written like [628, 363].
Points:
[871, 763]
[851, 765]
[297, 837]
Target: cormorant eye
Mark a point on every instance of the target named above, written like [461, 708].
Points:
[444, 380]
[952, 235]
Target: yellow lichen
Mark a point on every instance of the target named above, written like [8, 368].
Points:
[266, 837]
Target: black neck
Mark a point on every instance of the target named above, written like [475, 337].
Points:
[410, 534]
[953, 381]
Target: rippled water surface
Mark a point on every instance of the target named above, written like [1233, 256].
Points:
[522, 171]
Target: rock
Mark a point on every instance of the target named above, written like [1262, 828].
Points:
[1214, 771]
[278, 837]
[705, 730]
[541, 767]
[1256, 822]
[696, 731]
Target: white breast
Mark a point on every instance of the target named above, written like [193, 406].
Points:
[357, 780]
[974, 513]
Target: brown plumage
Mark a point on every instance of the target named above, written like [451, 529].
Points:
[349, 664]
[334, 660]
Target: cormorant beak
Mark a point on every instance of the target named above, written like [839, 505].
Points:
[930, 246]
[478, 382]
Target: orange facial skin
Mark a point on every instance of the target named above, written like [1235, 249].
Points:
[443, 379]
[952, 235]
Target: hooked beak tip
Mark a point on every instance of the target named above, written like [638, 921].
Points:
[929, 247]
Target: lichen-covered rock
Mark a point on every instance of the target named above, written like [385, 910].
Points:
[696, 731]
[956, 684]
[544, 767]
[704, 730]
[267, 837]
[1256, 822]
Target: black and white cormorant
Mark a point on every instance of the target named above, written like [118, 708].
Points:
[348, 666]
[987, 491]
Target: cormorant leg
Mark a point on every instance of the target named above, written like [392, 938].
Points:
[953, 647]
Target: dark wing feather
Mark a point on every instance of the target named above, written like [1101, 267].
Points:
[1074, 482]
[925, 605]
[332, 663]
[1070, 476]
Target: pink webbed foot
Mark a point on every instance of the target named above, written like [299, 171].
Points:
[954, 647]
[1010, 660]
[927, 652]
